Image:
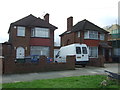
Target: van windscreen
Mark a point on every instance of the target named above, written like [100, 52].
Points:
[84, 50]
[78, 50]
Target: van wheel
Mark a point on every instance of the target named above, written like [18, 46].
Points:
[83, 65]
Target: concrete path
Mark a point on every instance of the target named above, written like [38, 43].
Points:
[57, 74]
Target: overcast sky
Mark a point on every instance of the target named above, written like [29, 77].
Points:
[100, 12]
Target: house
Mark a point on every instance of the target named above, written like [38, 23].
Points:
[85, 32]
[30, 36]
[114, 40]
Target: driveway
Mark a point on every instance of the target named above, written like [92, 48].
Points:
[88, 70]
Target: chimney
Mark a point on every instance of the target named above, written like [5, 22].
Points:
[69, 23]
[46, 18]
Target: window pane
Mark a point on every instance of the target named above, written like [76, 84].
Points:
[102, 36]
[78, 50]
[93, 52]
[84, 50]
[86, 35]
[40, 50]
[78, 34]
[20, 31]
[93, 34]
[40, 32]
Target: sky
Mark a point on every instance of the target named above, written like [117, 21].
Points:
[99, 12]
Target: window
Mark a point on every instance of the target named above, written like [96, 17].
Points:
[78, 50]
[78, 34]
[91, 35]
[93, 52]
[86, 34]
[102, 36]
[84, 50]
[20, 31]
[40, 32]
[39, 50]
[116, 51]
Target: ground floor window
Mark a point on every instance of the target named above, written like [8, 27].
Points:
[116, 51]
[39, 50]
[93, 52]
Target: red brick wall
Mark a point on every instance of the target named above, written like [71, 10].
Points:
[67, 39]
[11, 67]
[40, 42]
[91, 42]
[26, 41]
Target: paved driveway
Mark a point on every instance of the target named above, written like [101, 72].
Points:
[57, 74]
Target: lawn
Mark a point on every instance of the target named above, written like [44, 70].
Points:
[91, 81]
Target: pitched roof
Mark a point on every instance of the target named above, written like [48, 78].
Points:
[26, 21]
[31, 20]
[42, 23]
[85, 25]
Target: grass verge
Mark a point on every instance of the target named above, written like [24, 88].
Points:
[89, 81]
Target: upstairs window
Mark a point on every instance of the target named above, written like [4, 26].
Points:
[102, 36]
[91, 35]
[40, 32]
[78, 34]
[20, 31]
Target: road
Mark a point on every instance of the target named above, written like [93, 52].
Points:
[88, 70]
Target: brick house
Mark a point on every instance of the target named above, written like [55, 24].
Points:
[85, 32]
[114, 41]
[31, 36]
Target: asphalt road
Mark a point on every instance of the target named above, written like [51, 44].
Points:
[88, 70]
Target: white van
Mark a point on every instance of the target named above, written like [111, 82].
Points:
[79, 50]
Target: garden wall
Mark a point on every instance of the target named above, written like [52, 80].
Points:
[10, 67]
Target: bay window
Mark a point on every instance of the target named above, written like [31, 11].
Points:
[91, 35]
[39, 50]
[40, 32]
[93, 52]
[102, 36]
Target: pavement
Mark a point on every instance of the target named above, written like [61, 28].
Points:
[88, 70]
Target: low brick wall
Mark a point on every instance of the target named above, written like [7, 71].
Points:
[97, 62]
[10, 67]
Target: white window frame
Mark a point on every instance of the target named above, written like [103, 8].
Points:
[78, 34]
[93, 52]
[93, 34]
[40, 50]
[20, 31]
[102, 36]
[88, 34]
[40, 32]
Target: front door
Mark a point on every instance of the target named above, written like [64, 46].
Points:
[20, 53]
[106, 55]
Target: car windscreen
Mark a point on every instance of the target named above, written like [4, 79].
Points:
[84, 49]
[78, 50]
